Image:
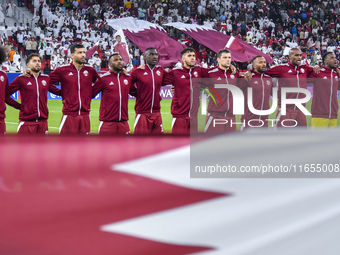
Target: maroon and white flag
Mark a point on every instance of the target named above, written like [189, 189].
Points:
[146, 34]
[214, 40]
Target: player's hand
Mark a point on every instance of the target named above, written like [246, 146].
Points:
[124, 71]
[316, 69]
[172, 89]
[233, 69]
[141, 67]
[27, 73]
[247, 76]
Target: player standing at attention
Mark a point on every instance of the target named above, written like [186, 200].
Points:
[223, 109]
[4, 94]
[76, 81]
[147, 85]
[325, 93]
[185, 102]
[261, 85]
[115, 87]
[34, 112]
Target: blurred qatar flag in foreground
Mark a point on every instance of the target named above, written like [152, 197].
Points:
[134, 195]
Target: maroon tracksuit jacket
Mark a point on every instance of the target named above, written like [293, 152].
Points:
[185, 102]
[5, 96]
[147, 85]
[33, 95]
[325, 94]
[290, 76]
[76, 87]
[220, 76]
[115, 95]
[262, 86]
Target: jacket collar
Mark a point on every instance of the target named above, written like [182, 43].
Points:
[76, 67]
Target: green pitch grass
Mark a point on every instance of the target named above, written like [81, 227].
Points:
[55, 107]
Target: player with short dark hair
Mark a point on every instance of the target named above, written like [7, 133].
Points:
[147, 85]
[220, 52]
[76, 81]
[34, 112]
[324, 56]
[325, 93]
[261, 85]
[223, 109]
[115, 87]
[187, 50]
[185, 102]
[74, 47]
[4, 94]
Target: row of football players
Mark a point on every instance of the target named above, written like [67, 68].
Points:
[77, 78]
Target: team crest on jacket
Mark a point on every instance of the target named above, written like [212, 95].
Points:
[43, 82]
[268, 82]
[126, 82]
[2, 78]
[86, 73]
[158, 73]
[336, 78]
[195, 74]
[302, 70]
[232, 76]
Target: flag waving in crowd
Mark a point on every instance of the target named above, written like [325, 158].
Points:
[121, 47]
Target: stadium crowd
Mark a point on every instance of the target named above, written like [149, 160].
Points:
[270, 26]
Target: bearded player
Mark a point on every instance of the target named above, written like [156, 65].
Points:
[34, 112]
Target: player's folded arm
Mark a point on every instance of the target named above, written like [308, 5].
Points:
[168, 78]
[97, 87]
[53, 89]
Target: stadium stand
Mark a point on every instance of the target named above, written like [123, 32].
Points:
[270, 26]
